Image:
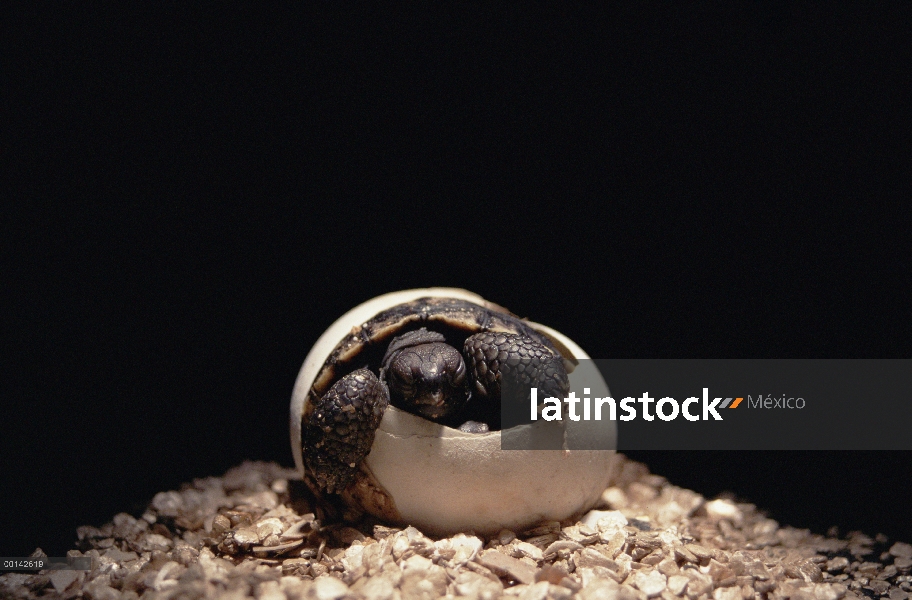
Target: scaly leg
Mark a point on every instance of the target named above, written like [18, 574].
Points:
[340, 430]
[492, 356]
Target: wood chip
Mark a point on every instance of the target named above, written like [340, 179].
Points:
[507, 566]
[232, 534]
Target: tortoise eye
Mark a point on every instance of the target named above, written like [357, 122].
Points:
[401, 379]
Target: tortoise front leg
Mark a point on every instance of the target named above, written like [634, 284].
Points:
[339, 432]
[491, 356]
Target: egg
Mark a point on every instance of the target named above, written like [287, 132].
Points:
[444, 480]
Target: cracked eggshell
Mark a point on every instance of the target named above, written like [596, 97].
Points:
[444, 481]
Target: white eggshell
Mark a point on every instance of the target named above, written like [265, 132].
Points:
[442, 480]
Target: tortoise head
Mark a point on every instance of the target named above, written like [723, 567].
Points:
[425, 375]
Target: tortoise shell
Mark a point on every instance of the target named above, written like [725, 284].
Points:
[455, 318]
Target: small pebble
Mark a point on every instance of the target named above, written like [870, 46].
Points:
[651, 583]
[505, 536]
[676, 584]
[615, 498]
[723, 509]
[329, 588]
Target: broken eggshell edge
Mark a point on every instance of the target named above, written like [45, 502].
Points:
[444, 481]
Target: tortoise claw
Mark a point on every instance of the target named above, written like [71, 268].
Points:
[339, 432]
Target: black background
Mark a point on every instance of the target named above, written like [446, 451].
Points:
[197, 196]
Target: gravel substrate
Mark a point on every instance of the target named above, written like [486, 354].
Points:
[246, 535]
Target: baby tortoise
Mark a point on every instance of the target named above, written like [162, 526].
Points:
[439, 358]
